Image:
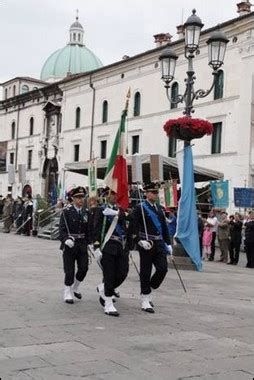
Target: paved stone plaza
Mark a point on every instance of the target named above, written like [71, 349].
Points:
[205, 335]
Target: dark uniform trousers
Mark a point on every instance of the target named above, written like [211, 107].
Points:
[157, 257]
[213, 245]
[115, 264]
[79, 254]
[234, 249]
[74, 223]
[249, 248]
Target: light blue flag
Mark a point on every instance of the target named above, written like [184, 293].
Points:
[187, 219]
[219, 191]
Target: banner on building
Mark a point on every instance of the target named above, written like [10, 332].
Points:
[136, 169]
[53, 194]
[3, 156]
[92, 173]
[11, 174]
[244, 197]
[156, 168]
[171, 193]
[219, 192]
[22, 173]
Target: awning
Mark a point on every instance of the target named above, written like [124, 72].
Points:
[170, 170]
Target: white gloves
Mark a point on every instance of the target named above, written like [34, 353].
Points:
[170, 249]
[90, 248]
[97, 254]
[145, 244]
[110, 212]
[69, 242]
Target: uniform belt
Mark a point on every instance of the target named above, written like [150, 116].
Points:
[150, 237]
[78, 236]
[116, 238]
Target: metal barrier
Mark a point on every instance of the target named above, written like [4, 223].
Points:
[46, 222]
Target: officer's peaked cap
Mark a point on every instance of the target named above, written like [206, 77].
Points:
[107, 191]
[153, 186]
[78, 191]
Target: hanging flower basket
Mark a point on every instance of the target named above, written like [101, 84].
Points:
[187, 128]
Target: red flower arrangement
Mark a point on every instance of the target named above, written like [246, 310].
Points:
[187, 128]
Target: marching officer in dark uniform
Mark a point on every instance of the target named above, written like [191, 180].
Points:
[74, 240]
[110, 243]
[150, 231]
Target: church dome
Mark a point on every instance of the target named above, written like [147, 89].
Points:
[74, 58]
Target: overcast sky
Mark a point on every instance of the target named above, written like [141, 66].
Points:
[30, 30]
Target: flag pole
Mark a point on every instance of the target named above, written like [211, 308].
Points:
[128, 95]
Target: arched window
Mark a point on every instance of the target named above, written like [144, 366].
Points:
[13, 127]
[79, 37]
[105, 111]
[78, 113]
[137, 100]
[31, 129]
[218, 86]
[24, 89]
[174, 93]
[14, 90]
[6, 93]
[74, 36]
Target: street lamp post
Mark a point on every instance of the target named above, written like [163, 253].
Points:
[216, 52]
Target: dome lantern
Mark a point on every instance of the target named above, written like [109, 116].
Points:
[76, 32]
[73, 58]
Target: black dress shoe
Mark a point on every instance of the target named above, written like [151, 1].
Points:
[113, 313]
[149, 310]
[77, 295]
[102, 302]
[211, 259]
[116, 294]
[230, 263]
[69, 302]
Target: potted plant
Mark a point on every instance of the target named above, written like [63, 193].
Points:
[187, 128]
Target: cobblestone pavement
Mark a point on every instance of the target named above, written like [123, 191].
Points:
[205, 335]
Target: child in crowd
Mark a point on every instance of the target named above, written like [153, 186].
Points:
[207, 241]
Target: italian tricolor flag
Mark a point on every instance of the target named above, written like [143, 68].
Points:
[171, 194]
[116, 177]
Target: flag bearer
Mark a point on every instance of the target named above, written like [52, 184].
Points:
[150, 231]
[110, 243]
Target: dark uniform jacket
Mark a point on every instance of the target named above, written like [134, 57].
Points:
[249, 232]
[137, 224]
[28, 210]
[77, 225]
[236, 231]
[92, 216]
[102, 224]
